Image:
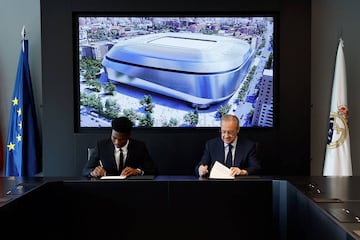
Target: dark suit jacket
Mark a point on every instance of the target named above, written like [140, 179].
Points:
[245, 155]
[137, 157]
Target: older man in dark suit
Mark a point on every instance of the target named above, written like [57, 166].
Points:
[237, 153]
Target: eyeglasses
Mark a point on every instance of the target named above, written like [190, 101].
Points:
[230, 133]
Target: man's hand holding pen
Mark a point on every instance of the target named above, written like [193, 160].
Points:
[203, 170]
[99, 171]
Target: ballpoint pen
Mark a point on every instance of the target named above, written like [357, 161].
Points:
[101, 165]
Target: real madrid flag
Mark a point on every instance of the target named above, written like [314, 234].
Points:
[338, 155]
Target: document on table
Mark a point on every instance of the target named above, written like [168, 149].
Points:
[220, 171]
[113, 177]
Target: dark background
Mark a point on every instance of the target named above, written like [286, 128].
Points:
[284, 150]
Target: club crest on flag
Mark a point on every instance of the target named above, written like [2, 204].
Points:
[338, 127]
[338, 155]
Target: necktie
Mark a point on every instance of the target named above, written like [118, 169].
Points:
[229, 157]
[121, 160]
[119, 157]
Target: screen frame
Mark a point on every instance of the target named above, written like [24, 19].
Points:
[76, 73]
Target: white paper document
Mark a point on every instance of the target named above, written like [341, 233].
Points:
[113, 177]
[220, 171]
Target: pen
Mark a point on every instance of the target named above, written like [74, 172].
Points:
[101, 165]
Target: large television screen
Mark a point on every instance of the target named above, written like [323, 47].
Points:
[175, 71]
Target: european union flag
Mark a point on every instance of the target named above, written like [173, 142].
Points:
[23, 155]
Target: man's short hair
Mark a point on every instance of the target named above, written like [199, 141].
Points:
[228, 117]
[122, 124]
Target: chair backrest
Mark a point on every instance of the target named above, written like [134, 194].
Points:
[90, 151]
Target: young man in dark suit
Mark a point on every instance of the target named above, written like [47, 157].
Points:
[120, 154]
[242, 158]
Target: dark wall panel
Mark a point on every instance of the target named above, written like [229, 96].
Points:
[285, 150]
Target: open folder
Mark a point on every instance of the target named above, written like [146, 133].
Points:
[220, 171]
[133, 177]
[113, 177]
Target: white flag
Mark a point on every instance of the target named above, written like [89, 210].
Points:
[338, 155]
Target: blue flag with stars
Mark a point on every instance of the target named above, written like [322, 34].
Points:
[23, 148]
